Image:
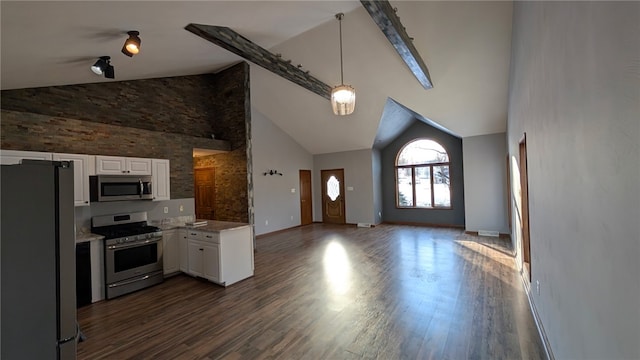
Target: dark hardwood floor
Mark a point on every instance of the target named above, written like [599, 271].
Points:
[332, 292]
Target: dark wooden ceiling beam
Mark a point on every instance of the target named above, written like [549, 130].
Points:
[239, 45]
[385, 17]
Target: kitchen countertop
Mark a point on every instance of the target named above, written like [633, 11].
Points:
[212, 226]
[218, 226]
[181, 223]
[165, 227]
[85, 237]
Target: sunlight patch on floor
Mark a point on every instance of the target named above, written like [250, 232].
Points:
[337, 271]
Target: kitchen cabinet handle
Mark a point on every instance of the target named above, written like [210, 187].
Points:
[209, 236]
[201, 249]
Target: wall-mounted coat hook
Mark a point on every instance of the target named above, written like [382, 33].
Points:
[272, 172]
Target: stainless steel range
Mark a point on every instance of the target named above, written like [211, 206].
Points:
[132, 252]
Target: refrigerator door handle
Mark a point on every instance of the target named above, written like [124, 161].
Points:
[75, 336]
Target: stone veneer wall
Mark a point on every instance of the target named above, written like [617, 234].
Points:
[178, 105]
[234, 200]
[157, 118]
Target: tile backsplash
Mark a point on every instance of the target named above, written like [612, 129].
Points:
[155, 211]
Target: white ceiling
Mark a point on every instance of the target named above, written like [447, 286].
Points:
[466, 46]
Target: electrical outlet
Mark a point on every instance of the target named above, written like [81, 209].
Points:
[181, 208]
[166, 209]
[292, 217]
[538, 287]
[266, 222]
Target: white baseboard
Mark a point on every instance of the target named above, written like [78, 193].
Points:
[488, 233]
[543, 335]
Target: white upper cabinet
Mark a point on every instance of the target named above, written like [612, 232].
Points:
[81, 168]
[118, 165]
[80, 176]
[12, 157]
[138, 166]
[87, 165]
[160, 188]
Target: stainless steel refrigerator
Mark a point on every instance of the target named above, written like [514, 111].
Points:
[37, 253]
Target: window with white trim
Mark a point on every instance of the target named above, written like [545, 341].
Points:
[422, 176]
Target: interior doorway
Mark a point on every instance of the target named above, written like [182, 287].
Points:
[205, 192]
[333, 206]
[306, 206]
[524, 194]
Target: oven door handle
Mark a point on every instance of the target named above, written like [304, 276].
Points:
[135, 244]
[127, 282]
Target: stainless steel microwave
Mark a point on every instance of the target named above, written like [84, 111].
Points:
[120, 187]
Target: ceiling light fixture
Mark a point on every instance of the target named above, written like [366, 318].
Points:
[103, 67]
[343, 97]
[132, 44]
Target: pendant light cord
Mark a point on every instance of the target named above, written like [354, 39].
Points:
[339, 16]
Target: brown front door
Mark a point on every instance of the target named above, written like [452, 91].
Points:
[205, 192]
[306, 207]
[333, 196]
[524, 193]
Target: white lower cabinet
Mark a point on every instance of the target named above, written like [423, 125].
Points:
[203, 260]
[170, 252]
[211, 262]
[224, 257]
[203, 256]
[195, 258]
[183, 250]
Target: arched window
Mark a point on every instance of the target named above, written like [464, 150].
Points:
[422, 175]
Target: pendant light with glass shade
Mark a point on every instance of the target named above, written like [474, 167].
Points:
[343, 97]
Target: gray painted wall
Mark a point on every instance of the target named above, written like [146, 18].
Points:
[485, 183]
[276, 206]
[453, 145]
[575, 91]
[357, 167]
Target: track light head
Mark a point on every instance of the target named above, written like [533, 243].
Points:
[132, 44]
[104, 67]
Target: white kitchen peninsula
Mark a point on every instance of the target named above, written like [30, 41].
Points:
[221, 251]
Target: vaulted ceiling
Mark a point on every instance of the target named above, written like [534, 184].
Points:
[466, 46]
